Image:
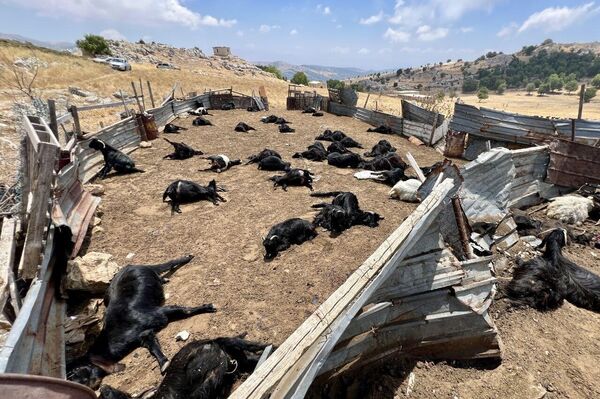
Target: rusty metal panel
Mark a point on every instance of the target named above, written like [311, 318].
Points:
[455, 144]
[467, 119]
[573, 164]
[415, 113]
[416, 129]
[341, 109]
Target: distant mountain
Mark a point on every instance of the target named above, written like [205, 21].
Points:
[317, 72]
[51, 45]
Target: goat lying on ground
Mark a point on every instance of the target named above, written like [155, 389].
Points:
[134, 314]
[182, 151]
[284, 128]
[273, 163]
[294, 177]
[243, 127]
[185, 191]
[349, 142]
[350, 160]
[384, 162]
[328, 135]
[203, 369]
[309, 110]
[228, 106]
[571, 209]
[273, 119]
[113, 159]
[338, 147]
[527, 226]
[283, 235]
[389, 177]
[171, 128]
[544, 282]
[262, 155]
[200, 111]
[406, 190]
[381, 148]
[381, 129]
[220, 163]
[317, 113]
[201, 121]
[315, 152]
[332, 220]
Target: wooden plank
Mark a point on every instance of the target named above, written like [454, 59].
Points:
[139, 104]
[341, 307]
[413, 163]
[150, 93]
[7, 258]
[75, 113]
[581, 97]
[53, 119]
[64, 118]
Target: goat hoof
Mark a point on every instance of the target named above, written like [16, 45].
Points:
[165, 367]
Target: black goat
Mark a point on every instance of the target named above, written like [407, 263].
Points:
[389, 177]
[284, 128]
[274, 119]
[332, 218]
[182, 151]
[113, 159]
[262, 155]
[185, 191]
[134, 314]
[349, 203]
[381, 129]
[349, 142]
[389, 161]
[317, 113]
[315, 152]
[220, 163]
[527, 226]
[228, 106]
[200, 111]
[309, 110]
[294, 177]
[283, 235]
[428, 169]
[201, 121]
[350, 160]
[273, 163]
[338, 147]
[203, 369]
[328, 135]
[171, 128]
[243, 127]
[381, 148]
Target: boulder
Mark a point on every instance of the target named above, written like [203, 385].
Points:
[145, 144]
[91, 272]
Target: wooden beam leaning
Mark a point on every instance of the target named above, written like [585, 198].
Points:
[151, 95]
[581, 98]
[413, 163]
[331, 318]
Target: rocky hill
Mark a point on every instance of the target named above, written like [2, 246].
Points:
[317, 72]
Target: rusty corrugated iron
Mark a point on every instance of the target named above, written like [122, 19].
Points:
[415, 113]
[573, 164]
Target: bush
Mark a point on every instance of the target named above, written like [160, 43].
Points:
[483, 94]
[501, 88]
[335, 84]
[571, 86]
[589, 93]
[555, 82]
[544, 89]
[93, 45]
[596, 81]
[530, 88]
[470, 85]
[271, 69]
[300, 78]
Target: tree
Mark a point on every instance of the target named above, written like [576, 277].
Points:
[335, 84]
[483, 94]
[272, 69]
[93, 45]
[470, 85]
[501, 88]
[555, 82]
[596, 81]
[530, 88]
[300, 78]
[544, 89]
[589, 93]
[571, 86]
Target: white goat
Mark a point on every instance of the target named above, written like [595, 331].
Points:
[571, 209]
[406, 190]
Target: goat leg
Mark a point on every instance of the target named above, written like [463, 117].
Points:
[150, 342]
[175, 312]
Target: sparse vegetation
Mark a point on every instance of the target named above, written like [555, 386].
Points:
[272, 69]
[335, 84]
[483, 94]
[596, 81]
[543, 89]
[589, 93]
[92, 45]
[501, 88]
[17, 77]
[571, 86]
[530, 88]
[300, 78]
[470, 85]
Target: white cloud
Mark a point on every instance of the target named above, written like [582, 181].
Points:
[419, 12]
[373, 19]
[427, 33]
[557, 18]
[325, 10]
[364, 51]
[112, 34]
[267, 28]
[146, 12]
[293, 32]
[466, 29]
[340, 50]
[396, 36]
[507, 30]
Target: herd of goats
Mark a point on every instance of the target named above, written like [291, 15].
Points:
[135, 309]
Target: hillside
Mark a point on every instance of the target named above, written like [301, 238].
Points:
[59, 46]
[317, 72]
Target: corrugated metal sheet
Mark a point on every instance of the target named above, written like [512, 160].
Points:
[584, 129]
[415, 113]
[417, 129]
[466, 118]
[373, 118]
[530, 171]
[341, 109]
[573, 164]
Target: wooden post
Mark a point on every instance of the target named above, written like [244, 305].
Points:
[142, 94]
[53, 120]
[367, 100]
[150, 92]
[581, 94]
[136, 97]
[413, 163]
[572, 129]
[435, 120]
[182, 93]
[75, 114]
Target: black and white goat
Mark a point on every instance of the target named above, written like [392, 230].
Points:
[294, 177]
[185, 191]
[262, 155]
[134, 314]
[243, 127]
[181, 151]
[221, 163]
[200, 111]
[388, 177]
[285, 234]
[381, 129]
[113, 159]
[172, 128]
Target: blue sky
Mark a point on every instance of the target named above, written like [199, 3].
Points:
[376, 34]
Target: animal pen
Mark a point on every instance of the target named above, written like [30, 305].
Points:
[422, 293]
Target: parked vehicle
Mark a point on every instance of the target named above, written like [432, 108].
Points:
[102, 59]
[165, 65]
[120, 64]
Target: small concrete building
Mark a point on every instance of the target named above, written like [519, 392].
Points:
[222, 51]
[316, 83]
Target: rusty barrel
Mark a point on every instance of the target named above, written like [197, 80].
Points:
[25, 386]
[147, 126]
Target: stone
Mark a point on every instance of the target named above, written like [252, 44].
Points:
[97, 221]
[97, 230]
[91, 272]
[95, 189]
[415, 140]
[145, 144]
[182, 336]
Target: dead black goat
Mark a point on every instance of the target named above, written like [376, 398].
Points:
[350, 160]
[243, 127]
[293, 177]
[185, 191]
[315, 152]
[135, 312]
[221, 163]
[262, 155]
[285, 234]
[317, 113]
[381, 129]
[228, 106]
[113, 159]
[309, 110]
[328, 135]
[338, 147]
[284, 128]
[381, 148]
[273, 163]
[331, 219]
[274, 119]
[172, 128]
[201, 121]
[205, 369]
[181, 151]
[388, 161]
